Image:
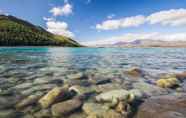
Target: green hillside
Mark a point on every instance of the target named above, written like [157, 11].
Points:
[17, 32]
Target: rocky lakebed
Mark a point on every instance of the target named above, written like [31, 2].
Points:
[132, 94]
[92, 83]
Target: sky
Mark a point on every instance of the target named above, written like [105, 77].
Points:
[94, 22]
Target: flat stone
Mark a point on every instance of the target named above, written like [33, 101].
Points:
[66, 107]
[76, 76]
[119, 94]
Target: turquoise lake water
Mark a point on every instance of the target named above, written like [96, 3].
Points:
[28, 71]
[35, 59]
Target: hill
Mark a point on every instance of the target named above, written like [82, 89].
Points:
[146, 43]
[17, 32]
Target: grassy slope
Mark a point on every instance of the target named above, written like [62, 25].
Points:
[16, 32]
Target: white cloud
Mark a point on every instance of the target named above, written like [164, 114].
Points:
[139, 36]
[62, 11]
[173, 17]
[121, 23]
[59, 28]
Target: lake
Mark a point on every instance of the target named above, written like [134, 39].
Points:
[27, 70]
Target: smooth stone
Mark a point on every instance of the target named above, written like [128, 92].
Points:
[52, 96]
[94, 110]
[167, 83]
[166, 106]
[76, 76]
[32, 99]
[181, 76]
[44, 113]
[8, 114]
[66, 107]
[136, 72]
[109, 96]
[149, 89]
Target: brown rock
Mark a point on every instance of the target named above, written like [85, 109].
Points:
[181, 75]
[52, 96]
[167, 106]
[66, 107]
[135, 72]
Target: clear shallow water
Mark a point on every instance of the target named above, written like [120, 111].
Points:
[25, 71]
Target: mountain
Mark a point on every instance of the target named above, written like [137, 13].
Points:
[17, 32]
[147, 43]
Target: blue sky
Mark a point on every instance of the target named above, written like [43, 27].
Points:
[86, 20]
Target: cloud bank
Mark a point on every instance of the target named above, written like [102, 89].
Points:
[139, 36]
[173, 17]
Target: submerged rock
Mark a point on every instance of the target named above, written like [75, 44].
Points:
[52, 96]
[119, 95]
[149, 89]
[136, 72]
[76, 76]
[66, 107]
[8, 114]
[44, 113]
[123, 108]
[167, 83]
[32, 99]
[94, 110]
[166, 106]
[181, 76]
